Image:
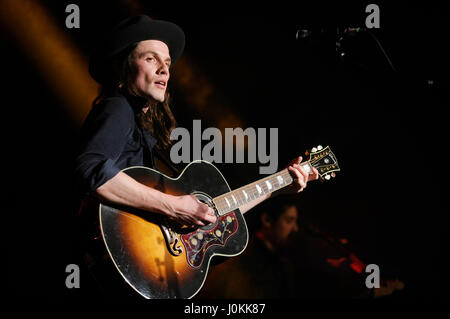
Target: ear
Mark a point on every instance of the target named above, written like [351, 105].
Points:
[265, 220]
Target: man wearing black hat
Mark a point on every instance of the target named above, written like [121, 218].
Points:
[132, 116]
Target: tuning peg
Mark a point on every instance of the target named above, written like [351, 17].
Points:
[314, 149]
[319, 147]
[327, 177]
[333, 174]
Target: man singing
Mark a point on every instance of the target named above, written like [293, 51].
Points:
[132, 116]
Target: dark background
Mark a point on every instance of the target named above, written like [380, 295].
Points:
[387, 128]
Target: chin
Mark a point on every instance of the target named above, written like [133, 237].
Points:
[157, 97]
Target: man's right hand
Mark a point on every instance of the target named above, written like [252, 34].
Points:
[188, 210]
[185, 209]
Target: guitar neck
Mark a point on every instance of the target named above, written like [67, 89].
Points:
[230, 201]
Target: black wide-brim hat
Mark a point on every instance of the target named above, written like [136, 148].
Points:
[130, 31]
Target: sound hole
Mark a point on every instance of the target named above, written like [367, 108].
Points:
[208, 201]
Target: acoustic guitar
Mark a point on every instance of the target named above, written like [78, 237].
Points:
[158, 257]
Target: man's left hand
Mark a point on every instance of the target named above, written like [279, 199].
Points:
[301, 177]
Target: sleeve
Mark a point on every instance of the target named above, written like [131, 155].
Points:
[106, 132]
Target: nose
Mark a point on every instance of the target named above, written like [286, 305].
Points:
[163, 69]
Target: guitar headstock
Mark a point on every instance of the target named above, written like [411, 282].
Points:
[323, 159]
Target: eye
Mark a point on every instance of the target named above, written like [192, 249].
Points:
[291, 220]
[149, 59]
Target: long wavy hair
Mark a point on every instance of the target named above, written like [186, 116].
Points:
[159, 119]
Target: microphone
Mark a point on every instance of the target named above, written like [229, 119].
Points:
[339, 32]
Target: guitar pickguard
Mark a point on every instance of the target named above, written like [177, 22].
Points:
[198, 242]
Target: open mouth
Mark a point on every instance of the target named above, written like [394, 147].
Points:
[161, 84]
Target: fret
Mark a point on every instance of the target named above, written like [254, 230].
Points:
[280, 179]
[228, 203]
[232, 200]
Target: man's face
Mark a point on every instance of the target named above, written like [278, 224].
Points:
[150, 69]
[285, 226]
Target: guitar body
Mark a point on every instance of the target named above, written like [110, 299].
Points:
[158, 257]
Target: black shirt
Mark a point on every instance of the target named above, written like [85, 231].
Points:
[111, 140]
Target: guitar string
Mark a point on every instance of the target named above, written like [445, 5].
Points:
[252, 191]
[224, 208]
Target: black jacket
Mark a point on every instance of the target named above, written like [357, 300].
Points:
[111, 140]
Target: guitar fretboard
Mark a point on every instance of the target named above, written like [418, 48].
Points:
[230, 201]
